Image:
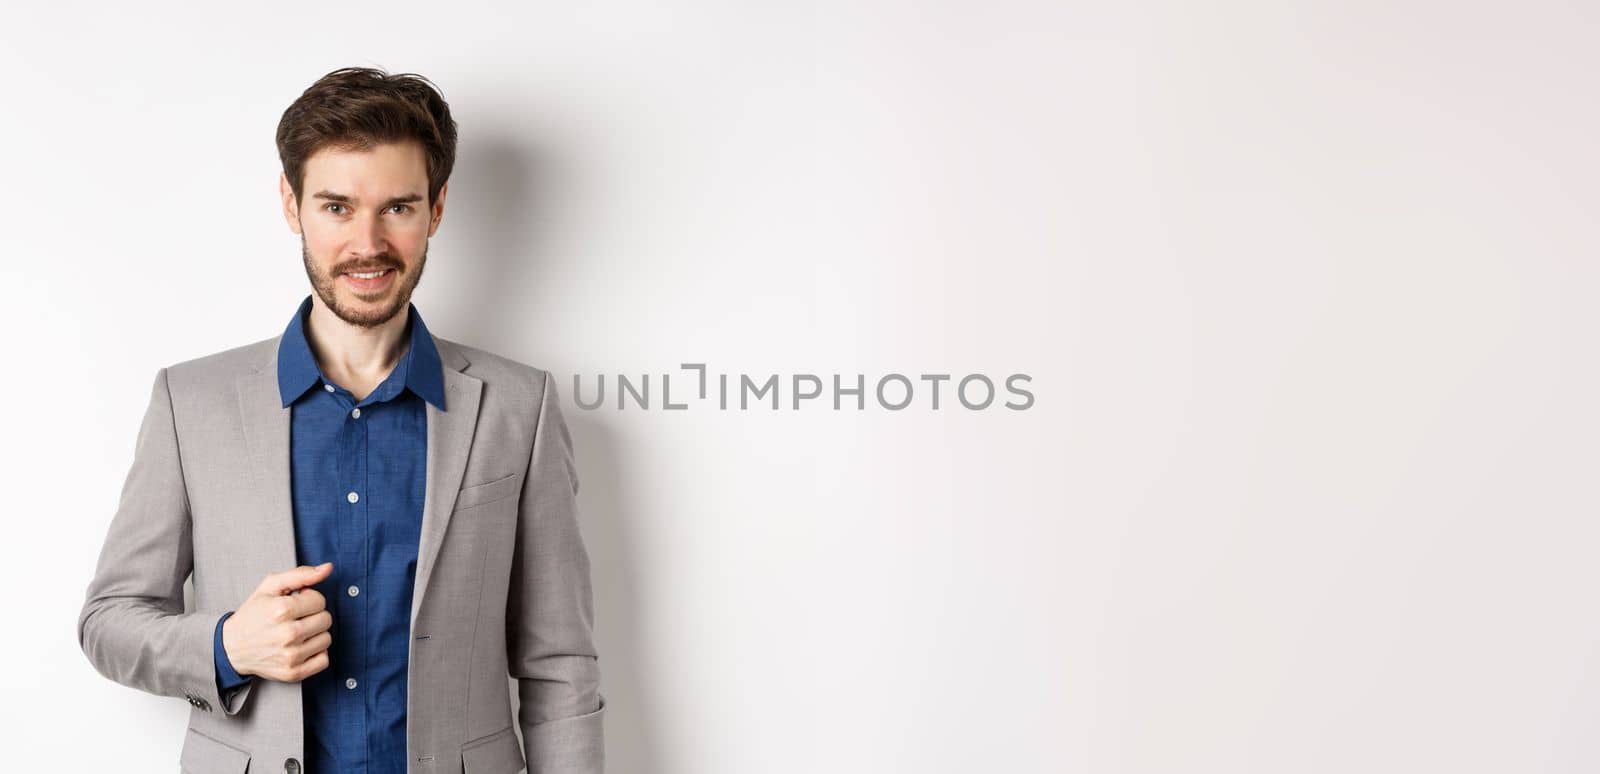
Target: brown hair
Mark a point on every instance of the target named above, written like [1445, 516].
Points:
[355, 108]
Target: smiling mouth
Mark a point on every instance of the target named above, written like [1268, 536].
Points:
[369, 281]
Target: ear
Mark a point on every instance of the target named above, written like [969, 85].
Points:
[437, 211]
[291, 207]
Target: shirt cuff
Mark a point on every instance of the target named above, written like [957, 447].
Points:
[227, 678]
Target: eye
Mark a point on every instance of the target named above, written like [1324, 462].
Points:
[330, 207]
[403, 207]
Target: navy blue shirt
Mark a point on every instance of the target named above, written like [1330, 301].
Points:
[359, 473]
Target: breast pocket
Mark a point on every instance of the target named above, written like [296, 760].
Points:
[204, 755]
[493, 491]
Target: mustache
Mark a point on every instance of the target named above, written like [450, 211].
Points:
[363, 267]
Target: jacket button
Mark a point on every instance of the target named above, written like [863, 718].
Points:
[291, 766]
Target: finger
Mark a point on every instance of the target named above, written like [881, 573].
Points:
[306, 602]
[317, 643]
[317, 622]
[310, 667]
[300, 577]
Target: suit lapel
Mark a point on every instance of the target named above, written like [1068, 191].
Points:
[266, 433]
[450, 432]
[450, 435]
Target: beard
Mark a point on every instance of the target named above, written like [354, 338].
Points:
[325, 285]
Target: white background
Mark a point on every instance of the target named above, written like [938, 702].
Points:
[1307, 291]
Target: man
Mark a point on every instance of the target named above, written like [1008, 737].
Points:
[381, 524]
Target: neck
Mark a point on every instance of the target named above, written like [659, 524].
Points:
[353, 354]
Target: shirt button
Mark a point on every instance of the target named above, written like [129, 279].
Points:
[350, 682]
[352, 497]
[352, 591]
[328, 387]
[355, 413]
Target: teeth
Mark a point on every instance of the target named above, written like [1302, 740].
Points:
[368, 274]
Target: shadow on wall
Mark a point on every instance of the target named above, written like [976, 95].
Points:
[512, 183]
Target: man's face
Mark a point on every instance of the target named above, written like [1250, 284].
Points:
[364, 212]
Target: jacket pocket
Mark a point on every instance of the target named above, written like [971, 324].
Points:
[204, 755]
[497, 753]
[495, 490]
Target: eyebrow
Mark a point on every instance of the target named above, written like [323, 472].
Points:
[341, 198]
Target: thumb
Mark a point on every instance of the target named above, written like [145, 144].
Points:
[288, 581]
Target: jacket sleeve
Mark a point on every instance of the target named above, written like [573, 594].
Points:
[133, 626]
[550, 618]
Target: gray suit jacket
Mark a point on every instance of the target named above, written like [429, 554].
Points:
[502, 583]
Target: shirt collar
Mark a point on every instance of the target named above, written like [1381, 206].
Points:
[423, 373]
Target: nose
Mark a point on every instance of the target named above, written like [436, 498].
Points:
[369, 237]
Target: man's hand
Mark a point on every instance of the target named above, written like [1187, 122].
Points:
[281, 631]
